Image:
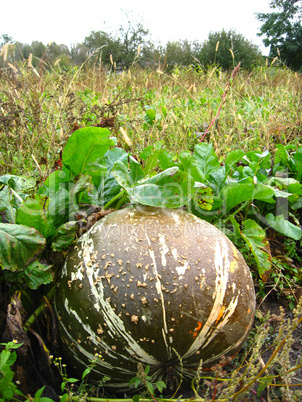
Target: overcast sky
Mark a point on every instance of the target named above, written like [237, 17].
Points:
[68, 22]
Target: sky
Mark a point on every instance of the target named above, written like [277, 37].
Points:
[69, 22]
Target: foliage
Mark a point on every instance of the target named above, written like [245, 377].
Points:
[227, 48]
[142, 379]
[8, 356]
[283, 31]
[132, 45]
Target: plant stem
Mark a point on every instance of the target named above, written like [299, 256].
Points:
[116, 197]
[266, 366]
[39, 310]
[234, 73]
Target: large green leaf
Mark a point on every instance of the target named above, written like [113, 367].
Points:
[19, 245]
[37, 274]
[63, 203]
[55, 180]
[121, 174]
[172, 189]
[18, 183]
[256, 241]
[136, 170]
[206, 159]
[189, 165]
[232, 158]
[34, 212]
[283, 226]
[64, 236]
[241, 192]
[106, 185]
[84, 147]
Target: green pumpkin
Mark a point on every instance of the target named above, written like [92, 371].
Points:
[152, 285]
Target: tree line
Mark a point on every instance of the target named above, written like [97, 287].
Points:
[132, 44]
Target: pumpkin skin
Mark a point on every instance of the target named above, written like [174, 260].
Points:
[152, 285]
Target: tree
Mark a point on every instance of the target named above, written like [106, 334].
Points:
[121, 48]
[100, 43]
[179, 53]
[227, 49]
[5, 39]
[133, 37]
[283, 31]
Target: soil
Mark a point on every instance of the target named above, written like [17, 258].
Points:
[33, 368]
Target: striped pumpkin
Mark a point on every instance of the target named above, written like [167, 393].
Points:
[152, 285]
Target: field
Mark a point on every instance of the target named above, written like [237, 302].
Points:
[237, 135]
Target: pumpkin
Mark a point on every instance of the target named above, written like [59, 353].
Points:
[154, 286]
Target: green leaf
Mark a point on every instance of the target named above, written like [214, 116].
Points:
[150, 387]
[4, 356]
[84, 147]
[189, 164]
[64, 236]
[255, 238]
[206, 158]
[55, 179]
[283, 226]
[135, 398]
[171, 189]
[86, 372]
[64, 203]
[37, 274]
[18, 183]
[151, 156]
[136, 170]
[64, 397]
[6, 205]
[161, 386]
[241, 192]
[121, 174]
[58, 207]
[38, 394]
[19, 245]
[72, 380]
[203, 196]
[34, 213]
[232, 159]
[165, 160]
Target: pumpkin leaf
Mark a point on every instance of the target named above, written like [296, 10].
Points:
[37, 274]
[206, 159]
[151, 156]
[283, 226]
[64, 236]
[232, 159]
[203, 196]
[171, 188]
[121, 174]
[6, 206]
[84, 147]
[19, 245]
[18, 183]
[255, 239]
[241, 192]
[34, 212]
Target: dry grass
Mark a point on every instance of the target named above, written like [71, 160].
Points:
[39, 110]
